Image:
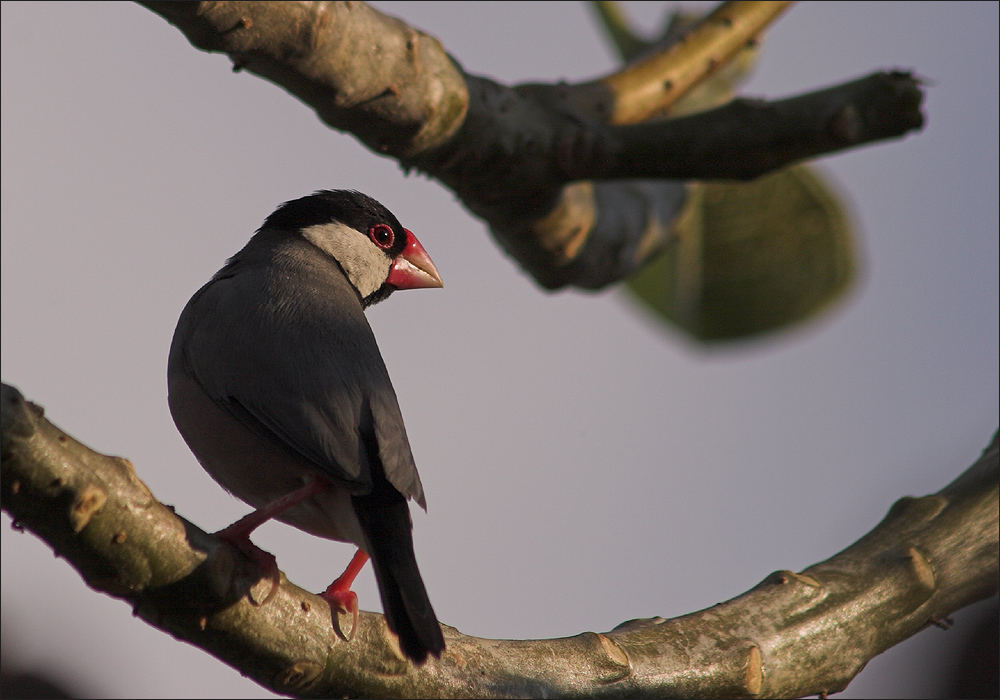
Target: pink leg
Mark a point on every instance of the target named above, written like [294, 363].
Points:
[238, 534]
[339, 594]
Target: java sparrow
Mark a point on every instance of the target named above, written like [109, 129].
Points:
[278, 387]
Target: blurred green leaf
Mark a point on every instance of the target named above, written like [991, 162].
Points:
[745, 258]
[749, 258]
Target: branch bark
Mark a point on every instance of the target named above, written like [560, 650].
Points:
[655, 79]
[792, 634]
[551, 168]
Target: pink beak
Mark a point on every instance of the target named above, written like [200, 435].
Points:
[413, 269]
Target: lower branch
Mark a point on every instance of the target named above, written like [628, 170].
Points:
[791, 635]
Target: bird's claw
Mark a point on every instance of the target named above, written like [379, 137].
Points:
[264, 560]
[270, 566]
[342, 602]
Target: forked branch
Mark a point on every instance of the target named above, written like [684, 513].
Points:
[551, 168]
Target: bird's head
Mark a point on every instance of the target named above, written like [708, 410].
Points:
[376, 253]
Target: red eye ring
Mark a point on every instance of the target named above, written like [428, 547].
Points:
[382, 235]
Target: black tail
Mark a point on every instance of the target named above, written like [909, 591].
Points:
[408, 611]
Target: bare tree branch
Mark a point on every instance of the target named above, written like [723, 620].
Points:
[649, 85]
[747, 138]
[791, 635]
[542, 164]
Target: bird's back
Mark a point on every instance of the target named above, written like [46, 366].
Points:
[315, 382]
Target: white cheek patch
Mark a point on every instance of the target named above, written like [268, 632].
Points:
[365, 264]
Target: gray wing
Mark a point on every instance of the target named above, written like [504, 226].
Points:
[299, 363]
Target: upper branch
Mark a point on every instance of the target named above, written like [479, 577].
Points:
[751, 137]
[362, 71]
[791, 635]
[656, 80]
[542, 164]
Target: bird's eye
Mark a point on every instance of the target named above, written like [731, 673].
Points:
[381, 235]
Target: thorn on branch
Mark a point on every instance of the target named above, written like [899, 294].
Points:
[39, 411]
[945, 623]
[412, 44]
[90, 500]
[244, 22]
[299, 676]
[754, 670]
[387, 91]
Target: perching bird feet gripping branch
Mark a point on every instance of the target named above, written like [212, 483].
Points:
[338, 594]
[341, 598]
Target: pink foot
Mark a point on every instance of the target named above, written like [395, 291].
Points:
[342, 602]
[238, 534]
[265, 560]
[341, 598]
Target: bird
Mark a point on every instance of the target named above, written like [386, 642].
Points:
[277, 385]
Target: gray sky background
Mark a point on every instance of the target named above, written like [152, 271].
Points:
[582, 465]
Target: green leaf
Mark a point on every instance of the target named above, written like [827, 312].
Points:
[750, 258]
